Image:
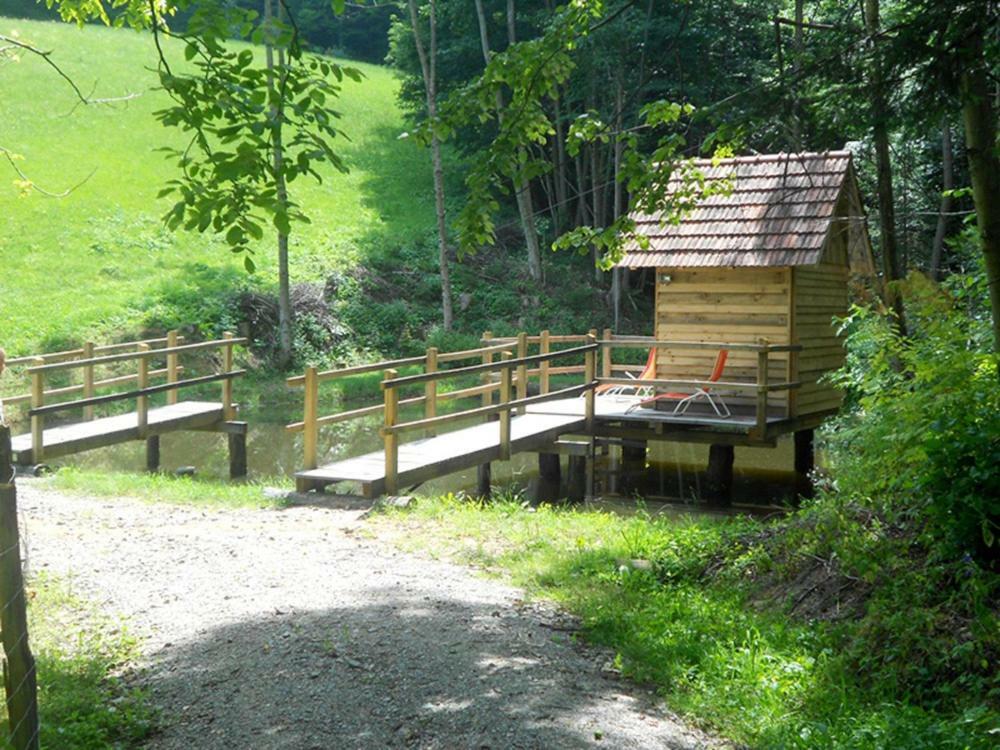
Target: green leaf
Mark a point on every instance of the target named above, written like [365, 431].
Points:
[249, 264]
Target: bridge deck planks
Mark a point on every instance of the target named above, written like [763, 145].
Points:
[66, 439]
[420, 460]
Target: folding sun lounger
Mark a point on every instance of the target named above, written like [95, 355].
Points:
[648, 372]
[684, 400]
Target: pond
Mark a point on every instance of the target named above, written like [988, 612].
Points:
[675, 471]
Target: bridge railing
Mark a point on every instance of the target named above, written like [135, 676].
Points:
[143, 353]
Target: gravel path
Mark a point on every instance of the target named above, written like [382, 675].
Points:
[287, 629]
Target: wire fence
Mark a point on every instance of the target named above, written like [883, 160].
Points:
[20, 679]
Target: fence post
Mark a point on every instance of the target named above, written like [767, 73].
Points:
[762, 391]
[589, 375]
[522, 370]
[505, 413]
[606, 368]
[20, 681]
[172, 361]
[88, 379]
[391, 439]
[310, 430]
[142, 402]
[228, 411]
[430, 387]
[37, 420]
[543, 375]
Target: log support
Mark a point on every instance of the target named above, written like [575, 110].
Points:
[548, 467]
[237, 455]
[805, 461]
[153, 454]
[484, 481]
[576, 485]
[719, 478]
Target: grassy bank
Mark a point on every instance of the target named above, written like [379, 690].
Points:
[757, 631]
[85, 702]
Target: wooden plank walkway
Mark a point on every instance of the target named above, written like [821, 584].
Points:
[420, 460]
[98, 433]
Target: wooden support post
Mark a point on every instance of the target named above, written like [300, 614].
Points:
[544, 347]
[548, 467]
[805, 461]
[505, 414]
[237, 455]
[142, 402]
[228, 409]
[172, 366]
[522, 370]
[633, 464]
[487, 360]
[576, 484]
[484, 481]
[391, 439]
[153, 454]
[310, 427]
[430, 387]
[606, 368]
[589, 375]
[37, 421]
[20, 681]
[719, 479]
[88, 379]
[761, 428]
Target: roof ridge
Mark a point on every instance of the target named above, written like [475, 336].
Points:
[780, 156]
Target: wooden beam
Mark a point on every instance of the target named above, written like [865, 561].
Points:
[430, 387]
[544, 347]
[144, 354]
[522, 369]
[37, 420]
[227, 385]
[173, 360]
[142, 401]
[310, 436]
[390, 438]
[88, 379]
[504, 411]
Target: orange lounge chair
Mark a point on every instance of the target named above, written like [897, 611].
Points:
[648, 373]
[684, 400]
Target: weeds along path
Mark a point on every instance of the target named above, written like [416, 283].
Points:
[293, 629]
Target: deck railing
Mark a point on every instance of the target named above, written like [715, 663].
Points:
[507, 368]
[89, 357]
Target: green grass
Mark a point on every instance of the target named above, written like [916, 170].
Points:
[168, 488]
[684, 620]
[84, 702]
[99, 262]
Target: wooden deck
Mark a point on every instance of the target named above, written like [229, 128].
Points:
[82, 436]
[428, 458]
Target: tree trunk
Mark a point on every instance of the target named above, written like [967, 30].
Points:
[285, 312]
[428, 68]
[984, 167]
[616, 208]
[522, 189]
[948, 182]
[880, 134]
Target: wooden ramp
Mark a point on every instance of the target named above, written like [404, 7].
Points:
[425, 459]
[98, 433]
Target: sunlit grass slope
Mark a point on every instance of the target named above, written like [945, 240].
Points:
[98, 259]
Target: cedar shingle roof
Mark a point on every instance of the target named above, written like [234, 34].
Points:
[778, 214]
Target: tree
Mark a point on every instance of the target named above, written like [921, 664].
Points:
[428, 66]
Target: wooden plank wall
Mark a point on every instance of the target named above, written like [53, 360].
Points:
[740, 305]
[820, 294]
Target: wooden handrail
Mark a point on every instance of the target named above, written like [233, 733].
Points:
[649, 342]
[82, 387]
[718, 384]
[52, 357]
[135, 355]
[506, 364]
[138, 393]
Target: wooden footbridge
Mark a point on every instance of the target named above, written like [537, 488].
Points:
[546, 402]
[95, 374]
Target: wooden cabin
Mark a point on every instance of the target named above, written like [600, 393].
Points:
[770, 259]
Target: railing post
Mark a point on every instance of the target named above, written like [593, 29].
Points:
[88, 379]
[505, 413]
[487, 360]
[522, 369]
[543, 375]
[606, 368]
[430, 387]
[172, 361]
[228, 411]
[589, 375]
[762, 358]
[142, 402]
[391, 439]
[310, 428]
[37, 420]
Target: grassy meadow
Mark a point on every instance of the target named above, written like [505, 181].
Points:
[99, 262]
